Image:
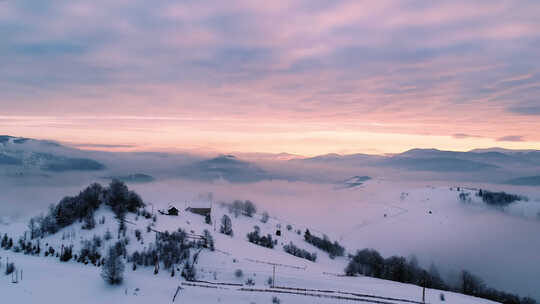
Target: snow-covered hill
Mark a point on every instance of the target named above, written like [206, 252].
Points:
[236, 272]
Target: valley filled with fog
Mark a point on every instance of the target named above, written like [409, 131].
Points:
[405, 204]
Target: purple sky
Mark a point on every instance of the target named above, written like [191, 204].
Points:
[305, 77]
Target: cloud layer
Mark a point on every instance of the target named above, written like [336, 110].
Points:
[393, 67]
[511, 138]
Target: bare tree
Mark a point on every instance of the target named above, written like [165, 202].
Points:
[470, 284]
[265, 216]
[33, 228]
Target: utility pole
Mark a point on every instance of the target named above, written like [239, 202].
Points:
[152, 208]
[424, 287]
[274, 277]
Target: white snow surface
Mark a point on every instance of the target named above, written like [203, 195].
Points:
[47, 280]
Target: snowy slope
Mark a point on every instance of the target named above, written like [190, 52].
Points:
[45, 278]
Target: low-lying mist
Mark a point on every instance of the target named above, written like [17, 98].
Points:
[393, 217]
[429, 222]
[395, 212]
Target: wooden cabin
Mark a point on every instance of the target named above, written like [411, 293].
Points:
[200, 207]
[201, 211]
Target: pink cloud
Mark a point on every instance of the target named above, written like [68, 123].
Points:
[383, 67]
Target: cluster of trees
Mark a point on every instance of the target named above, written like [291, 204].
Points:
[169, 249]
[472, 285]
[90, 251]
[299, 252]
[173, 248]
[503, 297]
[121, 199]
[66, 254]
[265, 241]
[499, 199]
[82, 207]
[238, 207]
[22, 245]
[464, 197]
[334, 249]
[369, 262]
[67, 211]
[26, 247]
[226, 225]
[6, 242]
[50, 252]
[148, 257]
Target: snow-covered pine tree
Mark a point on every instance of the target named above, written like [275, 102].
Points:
[226, 225]
[112, 270]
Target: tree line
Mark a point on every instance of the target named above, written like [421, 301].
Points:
[369, 262]
[498, 199]
[265, 240]
[238, 207]
[81, 208]
[299, 252]
[334, 249]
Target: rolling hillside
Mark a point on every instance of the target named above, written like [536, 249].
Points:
[237, 271]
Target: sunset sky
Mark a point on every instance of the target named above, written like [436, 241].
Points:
[305, 77]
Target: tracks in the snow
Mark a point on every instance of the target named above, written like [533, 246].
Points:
[329, 294]
[377, 220]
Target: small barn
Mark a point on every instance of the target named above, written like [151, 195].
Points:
[171, 210]
[201, 211]
[200, 207]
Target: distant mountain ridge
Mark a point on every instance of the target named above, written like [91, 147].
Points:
[31, 153]
[435, 160]
[133, 178]
[437, 164]
[503, 150]
[525, 181]
[21, 156]
[226, 167]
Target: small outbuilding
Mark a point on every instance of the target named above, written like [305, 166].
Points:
[172, 211]
[200, 211]
[203, 208]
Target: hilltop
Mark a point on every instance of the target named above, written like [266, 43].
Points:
[190, 251]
